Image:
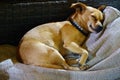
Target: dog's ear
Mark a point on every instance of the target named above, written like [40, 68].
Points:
[102, 7]
[79, 7]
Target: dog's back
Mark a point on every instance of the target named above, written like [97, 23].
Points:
[48, 34]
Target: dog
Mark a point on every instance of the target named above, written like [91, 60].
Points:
[47, 44]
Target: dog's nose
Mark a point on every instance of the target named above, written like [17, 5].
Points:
[98, 29]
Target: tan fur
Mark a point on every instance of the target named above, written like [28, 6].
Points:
[45, 45]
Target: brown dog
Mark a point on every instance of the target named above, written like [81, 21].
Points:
[45, 45]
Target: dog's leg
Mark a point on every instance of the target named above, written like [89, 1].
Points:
[73, 47]
[50, 66]
[57, 59]
[63, 66]
[40, 54]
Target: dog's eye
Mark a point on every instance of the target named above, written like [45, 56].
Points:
[94, 18]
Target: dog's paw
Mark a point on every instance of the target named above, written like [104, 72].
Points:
[74, 68]
[84, 67]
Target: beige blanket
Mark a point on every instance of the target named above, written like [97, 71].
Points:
[105, 58]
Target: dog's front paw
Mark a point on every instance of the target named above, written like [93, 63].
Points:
[84, 67]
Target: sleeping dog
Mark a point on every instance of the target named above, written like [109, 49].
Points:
[45, 45]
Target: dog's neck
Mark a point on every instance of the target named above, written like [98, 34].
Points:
[78, 27]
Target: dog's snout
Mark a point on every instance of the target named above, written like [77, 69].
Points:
[98, 29]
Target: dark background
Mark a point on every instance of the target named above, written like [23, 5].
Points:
[19, 16]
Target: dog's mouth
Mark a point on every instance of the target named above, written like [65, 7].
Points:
[97, 29]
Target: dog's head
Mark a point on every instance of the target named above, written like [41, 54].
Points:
[87, 17]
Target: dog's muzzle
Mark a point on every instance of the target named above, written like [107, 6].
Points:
[98, 29]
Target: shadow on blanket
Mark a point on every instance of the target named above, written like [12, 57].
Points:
[103, 47]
